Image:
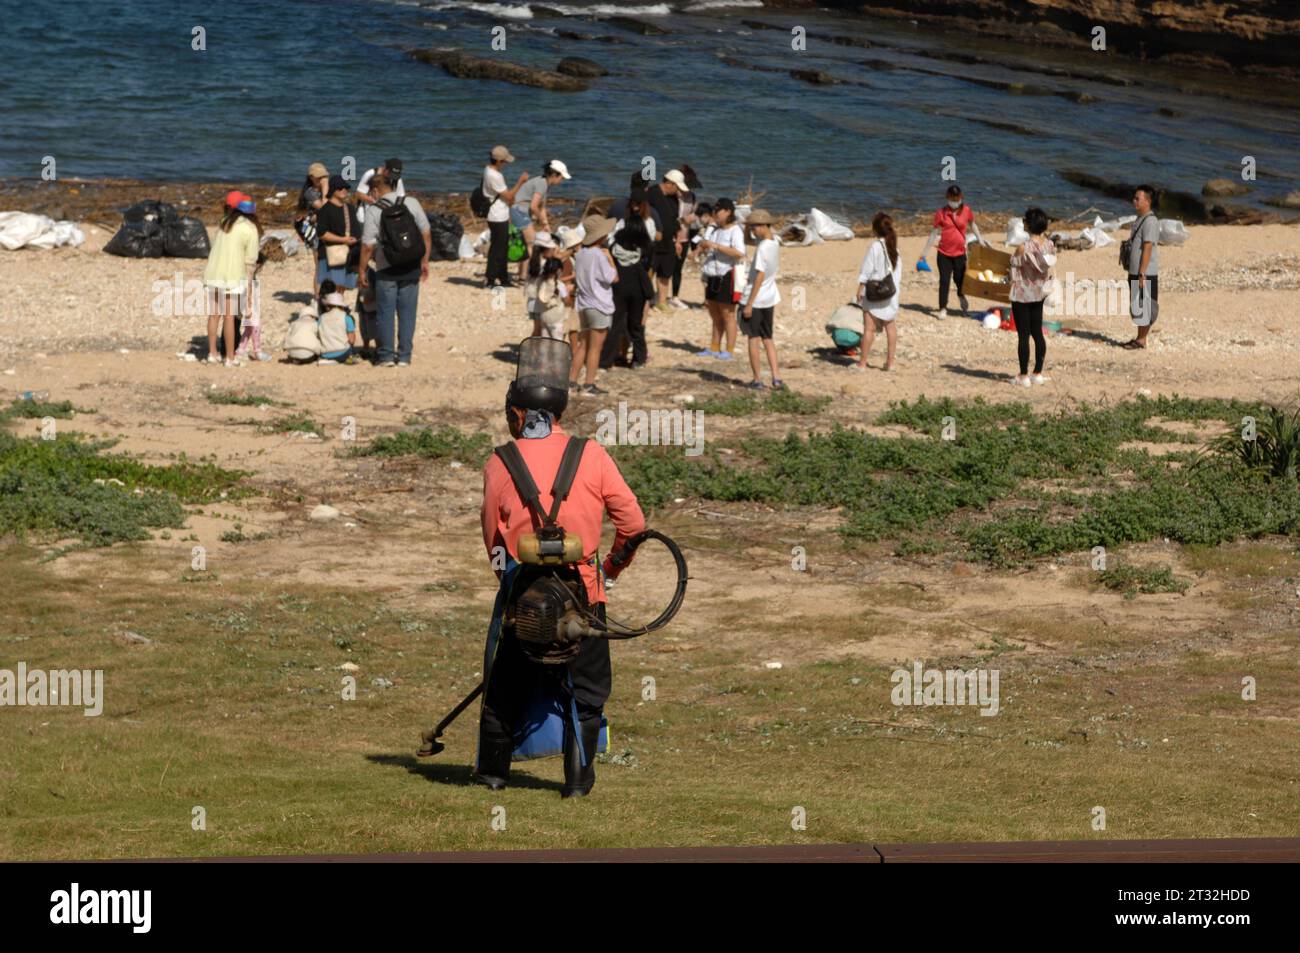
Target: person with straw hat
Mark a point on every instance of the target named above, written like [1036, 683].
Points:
[596, 276]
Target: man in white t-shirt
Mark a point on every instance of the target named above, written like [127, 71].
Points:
[498, 217]
[758, 307]
[394, 169]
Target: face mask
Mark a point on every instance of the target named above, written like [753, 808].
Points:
[954, 205]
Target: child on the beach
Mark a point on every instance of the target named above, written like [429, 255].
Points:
[338, 331]
[368, 313]
[758, 309]
[546, 290]
[250, 342]
[594, 268]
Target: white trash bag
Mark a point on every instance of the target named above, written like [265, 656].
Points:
[1096, 234]
[1016, 234]
[1172, 231]
[827, 228]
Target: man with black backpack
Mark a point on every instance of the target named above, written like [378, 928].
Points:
[396, 237]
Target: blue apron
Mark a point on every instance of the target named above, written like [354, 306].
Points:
[541, 731]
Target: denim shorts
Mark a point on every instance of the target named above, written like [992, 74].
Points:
[520, 218]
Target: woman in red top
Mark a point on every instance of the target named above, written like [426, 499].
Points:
[951, 223]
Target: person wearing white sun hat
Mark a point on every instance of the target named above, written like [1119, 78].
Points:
[528, 211]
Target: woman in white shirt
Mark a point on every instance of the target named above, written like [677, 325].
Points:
[881, 263]
[498, 217]
[724, 276]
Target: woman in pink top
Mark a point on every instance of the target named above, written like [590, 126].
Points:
[951, 223]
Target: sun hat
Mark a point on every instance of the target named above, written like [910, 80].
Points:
[501, 152]
[676, 178]
[557, 166]
[596, 227]
[335, 300]
[316, 170]
[544, 240]
[338, 182]
[568, 237]
[759, 216]
[247, 206]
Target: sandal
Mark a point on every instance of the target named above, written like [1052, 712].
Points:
[1133, 345]
[778, 384]
[756, 385]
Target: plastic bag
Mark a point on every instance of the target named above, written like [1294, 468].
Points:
[23, 229]
[1016, 234]
[185, 238]
[827, 228]
[143, 239]
[847, 317]
[445, 232]
[150, 210]
[1096, 233]
[466, 249]
[797, 234]
[1172, 231]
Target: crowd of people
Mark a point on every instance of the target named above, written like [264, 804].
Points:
[595, 284]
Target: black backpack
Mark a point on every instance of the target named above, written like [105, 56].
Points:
[479, 203]
[398, 234]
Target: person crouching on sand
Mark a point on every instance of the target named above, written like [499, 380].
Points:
[879, 280]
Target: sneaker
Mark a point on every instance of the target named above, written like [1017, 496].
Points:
[235, 362]
[386, 364]
[943, 314]
[1019, 381]
[723, 355]
[326, 360]
[403, 363]
[678, 303]
[965, 305]
[262, 356]
[1040, 379]
[706, 353]
[212, 359]
[591, 390]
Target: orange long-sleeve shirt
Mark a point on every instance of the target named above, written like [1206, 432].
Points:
[598, 487]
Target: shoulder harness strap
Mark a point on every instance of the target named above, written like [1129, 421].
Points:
[527, 487]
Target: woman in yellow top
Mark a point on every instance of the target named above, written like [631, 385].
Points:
[228, 276]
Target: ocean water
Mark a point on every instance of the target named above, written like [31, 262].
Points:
[114, 88]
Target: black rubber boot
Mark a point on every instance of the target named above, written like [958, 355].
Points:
[494, 761]
[579, 780]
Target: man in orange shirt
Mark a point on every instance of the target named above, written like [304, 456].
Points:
[534, 404]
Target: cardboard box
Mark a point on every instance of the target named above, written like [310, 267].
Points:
[979, 258]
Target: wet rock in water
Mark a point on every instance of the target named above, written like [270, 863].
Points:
[1171, 113]
[1290, 200]
[638, 26]
[1219, 187]
[815, 76]
[577, 66]
[465, 66]
[589, 37]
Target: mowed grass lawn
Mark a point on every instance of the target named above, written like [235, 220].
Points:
[236, 708]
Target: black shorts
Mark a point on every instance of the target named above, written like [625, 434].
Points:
[719, 288]
[664, 263]
[760, 325]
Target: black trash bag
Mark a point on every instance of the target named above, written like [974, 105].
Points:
[185, 238]
[444, 235]
[137, 240]
[150, 210]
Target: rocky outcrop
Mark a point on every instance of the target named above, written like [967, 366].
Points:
[583, 68]
[465, 66]
[1241, 35]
